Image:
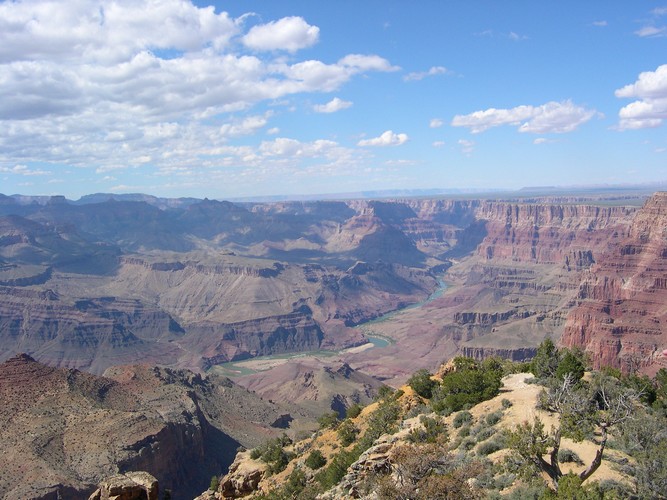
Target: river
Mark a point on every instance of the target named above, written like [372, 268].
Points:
[261, 363]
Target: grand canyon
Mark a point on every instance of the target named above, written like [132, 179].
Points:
[134, 327]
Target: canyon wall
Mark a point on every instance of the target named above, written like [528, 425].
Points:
[620, 314]
[65, 430]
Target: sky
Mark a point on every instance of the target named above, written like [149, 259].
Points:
[255, 98]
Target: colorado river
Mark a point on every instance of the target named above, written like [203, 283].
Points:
[262, 363]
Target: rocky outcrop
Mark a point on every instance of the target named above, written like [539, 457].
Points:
[243, 477]
[65, 430]
[620, 318]
[129, 486]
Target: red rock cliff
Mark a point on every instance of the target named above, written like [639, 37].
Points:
[621, 317]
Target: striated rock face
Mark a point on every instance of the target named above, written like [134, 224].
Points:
[129, 486]
[549, 234]
[620, 317]
[64, 430]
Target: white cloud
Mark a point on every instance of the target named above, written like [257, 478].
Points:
[543, 140]
[552, 117]
[112, 84]
[247, 126]
[24, 170]
[335, 104]
[361, 62]
[388, 138]
[652, 31]
[435, 123]
[600, 24]
[435, 70]
[467, 146]
[650, 110]
[289, 33]
[438, 144]
[273, 131]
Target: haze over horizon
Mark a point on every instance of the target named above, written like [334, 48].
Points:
[238, 99]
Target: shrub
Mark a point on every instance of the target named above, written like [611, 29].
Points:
[494, 418]
[334, 472]
[295, 484]
[422, 383]
[485, 434]
[431, 431]
[384, 392]
[465, 431]
[462, 417]
[273, 454]
[470, 384]
[215, 482]
[572, 363]
[315, 460]
[328, 420]
[353, 411]
[546, 360]
[347, 432]
[506, 403]
[488, 447]
[468, 444]
[566, 455]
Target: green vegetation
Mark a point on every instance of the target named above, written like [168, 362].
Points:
[347, 432]
[432, 430]
[354, 411]
[215, 482]
[610, 409]
[422, 383]
[462, 417]
[328, 420]
[315, 460]
[273, 454]
[469, 384]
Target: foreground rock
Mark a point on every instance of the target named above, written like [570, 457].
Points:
[63, 431]
[130, 486]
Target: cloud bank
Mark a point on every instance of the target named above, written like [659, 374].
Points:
[552, 117]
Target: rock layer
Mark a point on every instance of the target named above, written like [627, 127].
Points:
[620, 318]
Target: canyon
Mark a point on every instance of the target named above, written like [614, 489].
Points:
[284, 297]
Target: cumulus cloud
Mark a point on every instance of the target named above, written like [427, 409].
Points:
[435, 123]
[650, 108]
[289, 33]
[388, 138]
[552, 117]
[600, 24]
[136, 82]
[435, 70]
[335, 104]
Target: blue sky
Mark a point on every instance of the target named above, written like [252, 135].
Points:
[255, 98]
